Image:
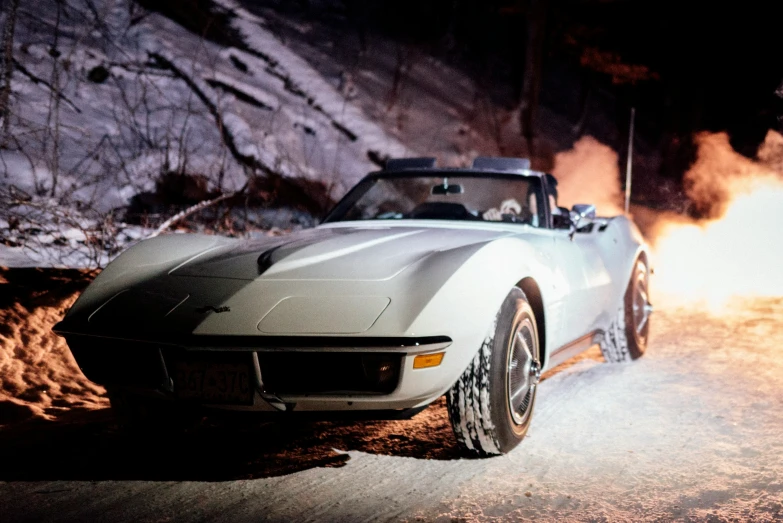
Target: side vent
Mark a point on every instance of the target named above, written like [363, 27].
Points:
[501, 164]
[401, 164]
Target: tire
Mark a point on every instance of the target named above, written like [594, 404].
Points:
[626, 337]
[485, 414]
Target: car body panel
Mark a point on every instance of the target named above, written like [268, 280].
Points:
[337, 286]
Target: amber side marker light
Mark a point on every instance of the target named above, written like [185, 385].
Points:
[422, 361]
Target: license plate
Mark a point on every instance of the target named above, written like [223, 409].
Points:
[211, 382]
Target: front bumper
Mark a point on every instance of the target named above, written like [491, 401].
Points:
[292, 374]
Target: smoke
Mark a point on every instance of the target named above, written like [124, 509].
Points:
[588, 173]
[716, 175]
[770, 153]
[736, 251]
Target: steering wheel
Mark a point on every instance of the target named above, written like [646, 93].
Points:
[516, 218]
[441, 211]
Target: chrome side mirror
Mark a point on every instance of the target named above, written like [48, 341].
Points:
[582, 212]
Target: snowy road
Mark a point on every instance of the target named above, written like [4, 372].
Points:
[690, 431]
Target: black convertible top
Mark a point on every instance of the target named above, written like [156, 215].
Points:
[482, 164]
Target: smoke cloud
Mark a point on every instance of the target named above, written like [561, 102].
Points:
[737, 250]
[734, 251]
[717, 174]
[589, 173]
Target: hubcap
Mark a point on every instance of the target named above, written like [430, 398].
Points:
[640, 304]
[524, 371]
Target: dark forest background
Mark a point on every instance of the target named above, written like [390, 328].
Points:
[685, 66]
[112, 117]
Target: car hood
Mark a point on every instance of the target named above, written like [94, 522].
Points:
[334, 279]
[349, 253]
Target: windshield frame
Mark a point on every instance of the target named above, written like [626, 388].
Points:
[366, 183]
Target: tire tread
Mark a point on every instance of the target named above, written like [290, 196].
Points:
[468, 404]
[619, 344]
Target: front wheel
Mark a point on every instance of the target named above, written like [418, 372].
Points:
[626, 337]
[491, 404]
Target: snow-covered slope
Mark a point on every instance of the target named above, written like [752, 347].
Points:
[106, 97]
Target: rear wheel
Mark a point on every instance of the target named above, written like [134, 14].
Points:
[626, 337]
[491, 404]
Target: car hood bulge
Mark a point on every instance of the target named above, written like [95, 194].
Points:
[333, 253]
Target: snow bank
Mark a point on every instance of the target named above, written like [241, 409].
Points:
[38, 375]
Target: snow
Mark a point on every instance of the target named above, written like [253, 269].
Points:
[38, 375]
[293, 103]
[688, 432]
[260, 95]
[113, 139]
[16, 257]
[304, 77]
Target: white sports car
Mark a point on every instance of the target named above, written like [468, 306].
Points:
[420, 282]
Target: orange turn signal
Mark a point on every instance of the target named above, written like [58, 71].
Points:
[422, 361]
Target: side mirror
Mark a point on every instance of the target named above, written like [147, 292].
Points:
[582, 212]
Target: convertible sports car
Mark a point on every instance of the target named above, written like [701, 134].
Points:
[420, 282]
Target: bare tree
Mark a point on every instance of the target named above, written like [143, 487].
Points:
[534, 57]
[406, 57]
[54, 101]
[8, 66]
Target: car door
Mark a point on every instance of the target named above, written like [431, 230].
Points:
[581, 280]
[569, 286]
[596, 281]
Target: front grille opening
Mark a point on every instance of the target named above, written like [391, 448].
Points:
[329, 372]
[175, 355]
[118, 362]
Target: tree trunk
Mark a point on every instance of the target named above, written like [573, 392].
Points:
[531, 82]
[585, 96]
[54, 101]
[8, 67]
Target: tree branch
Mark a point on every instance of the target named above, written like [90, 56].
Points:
[192, 210]
[36, 80]
[228, 139]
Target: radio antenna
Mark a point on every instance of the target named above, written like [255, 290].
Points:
[629, 163]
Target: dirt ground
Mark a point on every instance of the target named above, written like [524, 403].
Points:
[692, 431]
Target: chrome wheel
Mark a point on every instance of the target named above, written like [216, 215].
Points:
[492, 403]
[524, 371]
[640, 303]
[625, 338]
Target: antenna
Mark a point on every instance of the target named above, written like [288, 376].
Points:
[629, 164]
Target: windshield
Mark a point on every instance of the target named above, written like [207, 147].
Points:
[448, 196]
